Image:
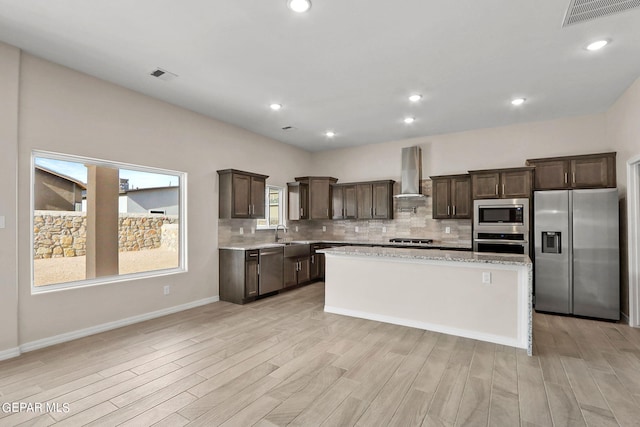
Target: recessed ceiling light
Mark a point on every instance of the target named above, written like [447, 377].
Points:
[299, 6]
[275, 107]
[597, 45]
[415, 98]
[329, 134]
[409, 120]
[518, 101]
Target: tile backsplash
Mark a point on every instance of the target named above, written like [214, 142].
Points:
[412, 218]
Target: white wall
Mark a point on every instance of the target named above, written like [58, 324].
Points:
[69, 112]
[507, 146]
[623, 129]
[9, 72]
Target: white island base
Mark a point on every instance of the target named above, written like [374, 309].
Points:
[434, 290]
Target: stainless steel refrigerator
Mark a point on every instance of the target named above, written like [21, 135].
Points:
[576, 260]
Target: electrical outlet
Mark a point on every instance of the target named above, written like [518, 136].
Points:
[384, 229]
[2, 222]
[357, 229]
[447, 230]
[253, 230]
[167, 289]
[241, 230]
[296, 228]
[486, 277]
[324, 228]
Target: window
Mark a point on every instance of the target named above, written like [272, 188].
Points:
[97, 221]
[274, 208]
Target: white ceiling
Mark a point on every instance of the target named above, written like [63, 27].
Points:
[346, 65]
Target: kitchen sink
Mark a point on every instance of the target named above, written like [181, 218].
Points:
[292, 250]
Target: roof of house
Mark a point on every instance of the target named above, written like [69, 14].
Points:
[63, 176]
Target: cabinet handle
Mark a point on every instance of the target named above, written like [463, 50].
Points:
[496, 189]
[573, 180]
[566, 178]
[313, 259]
[301, 212]
[502, 189]
[249, 211]
[454, 210]
[448, 210]
[342, 211]
[258, 269]
[327, 211]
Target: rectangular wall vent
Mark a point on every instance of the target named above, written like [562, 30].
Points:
[163, 74]
[587, 10]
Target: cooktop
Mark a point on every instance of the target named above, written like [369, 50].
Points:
[410, 240]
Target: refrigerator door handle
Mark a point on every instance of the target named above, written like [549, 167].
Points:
[568, 246]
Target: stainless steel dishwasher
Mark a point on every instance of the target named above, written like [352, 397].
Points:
[270, 268]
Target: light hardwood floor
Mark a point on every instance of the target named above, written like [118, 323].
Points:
[283, 361]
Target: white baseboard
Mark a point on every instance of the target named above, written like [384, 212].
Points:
[496, 339]
[10, 353]
[81, 333]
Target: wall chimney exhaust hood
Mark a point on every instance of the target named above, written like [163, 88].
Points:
[411, 174]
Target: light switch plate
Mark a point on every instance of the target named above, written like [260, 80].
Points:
[357, 229]
[324, 228]
[241, 230]
[2, 221]
[486, 277]
[384, 229]
[447, 230]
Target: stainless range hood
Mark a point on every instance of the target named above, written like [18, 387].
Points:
[411, 174]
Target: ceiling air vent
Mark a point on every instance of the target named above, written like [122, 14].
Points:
[288, 128]
[587, 10]
[163, 74]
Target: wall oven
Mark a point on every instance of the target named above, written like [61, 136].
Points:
[501, 225]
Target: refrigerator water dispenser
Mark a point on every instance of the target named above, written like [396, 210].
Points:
[551, 242]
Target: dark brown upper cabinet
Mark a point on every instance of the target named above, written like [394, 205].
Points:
[451, 196]
[502, 183]
[344, 201]
[586, 171]
[375, 199]
[242, 194]
[311, 197]
[298, 200]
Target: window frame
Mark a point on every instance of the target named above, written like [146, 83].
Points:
[77, 284]
[281, 208]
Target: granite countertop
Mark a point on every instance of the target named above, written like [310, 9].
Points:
[431, 255]
[436, 245]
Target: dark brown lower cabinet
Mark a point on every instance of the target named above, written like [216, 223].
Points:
[248, 274]
[297, 271]
[317, 267]
[239, 275]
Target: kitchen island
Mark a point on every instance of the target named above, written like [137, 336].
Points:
[482, 296]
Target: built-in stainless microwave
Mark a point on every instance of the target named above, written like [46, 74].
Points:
[501, 212]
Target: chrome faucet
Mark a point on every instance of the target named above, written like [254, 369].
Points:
[280, 227]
